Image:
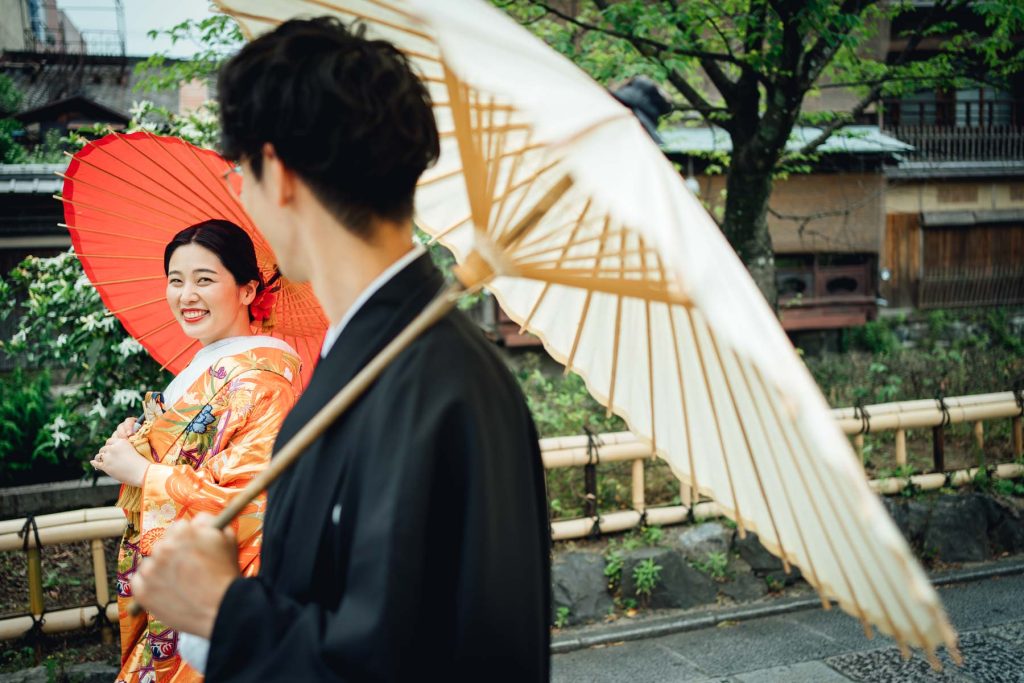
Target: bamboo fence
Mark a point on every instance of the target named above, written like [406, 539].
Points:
[585, 451]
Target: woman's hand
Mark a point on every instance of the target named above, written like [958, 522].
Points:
[119, 459]
[125, 429]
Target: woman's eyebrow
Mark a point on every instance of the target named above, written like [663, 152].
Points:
[197, 270]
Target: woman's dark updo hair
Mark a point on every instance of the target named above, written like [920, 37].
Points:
[229, 242]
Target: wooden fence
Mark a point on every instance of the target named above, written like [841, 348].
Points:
[961, 143]
[952, 287]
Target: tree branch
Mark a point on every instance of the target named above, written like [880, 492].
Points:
[759, 10]
[718, 30]
[876, 90]
[706, 109]
[649, 42]
[721, 82]
[692, 95]
[817, 57]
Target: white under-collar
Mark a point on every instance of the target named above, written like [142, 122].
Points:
[334, 331]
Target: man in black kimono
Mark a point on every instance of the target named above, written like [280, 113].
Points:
[411, 539]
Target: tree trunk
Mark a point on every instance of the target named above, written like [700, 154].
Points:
[748, 189]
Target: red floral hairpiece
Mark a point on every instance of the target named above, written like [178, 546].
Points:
[262, 305]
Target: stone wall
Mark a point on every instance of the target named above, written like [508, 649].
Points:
[706, 564]
[42, 499]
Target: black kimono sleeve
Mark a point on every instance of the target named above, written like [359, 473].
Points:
[443, 539]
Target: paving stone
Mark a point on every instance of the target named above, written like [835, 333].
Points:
[804, 672]
[887, 665]
[991, 660]
[1012, 632]
[606, 664]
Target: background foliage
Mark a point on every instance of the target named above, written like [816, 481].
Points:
[63, 329]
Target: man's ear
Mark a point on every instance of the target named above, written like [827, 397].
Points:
[282, 178]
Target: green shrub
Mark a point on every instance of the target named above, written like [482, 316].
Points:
[716, 565]
[25, 404]
[645, 576]
[613, 562]
[560, 403]
[876, 337]
[64, 329]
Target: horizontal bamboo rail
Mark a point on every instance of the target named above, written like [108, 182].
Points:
[13, 526]
[624, 520]
[56, 622]
[68, 533]
[925, 404]
[936, 480]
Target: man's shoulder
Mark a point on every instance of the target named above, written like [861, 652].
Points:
[455, 352]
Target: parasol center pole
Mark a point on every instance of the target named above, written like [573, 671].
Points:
[439, 307]
[474, 270]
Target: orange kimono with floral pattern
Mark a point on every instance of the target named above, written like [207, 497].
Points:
[204, 448]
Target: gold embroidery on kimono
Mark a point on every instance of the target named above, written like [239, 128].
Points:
[204, 448]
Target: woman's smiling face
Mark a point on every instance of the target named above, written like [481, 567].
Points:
[204, 297]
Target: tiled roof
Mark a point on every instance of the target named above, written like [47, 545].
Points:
[850, 140]
[30, 178]
[46, 78]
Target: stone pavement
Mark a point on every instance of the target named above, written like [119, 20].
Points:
[815, 646]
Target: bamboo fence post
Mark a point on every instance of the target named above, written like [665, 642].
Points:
[99, 570]
[590, 490]
[35, 595]
[938, 449]
[1018, 438]
[858, 443]
[638, 486]
[685, 497]
[979, 434]
[35, 581]
[901, 447]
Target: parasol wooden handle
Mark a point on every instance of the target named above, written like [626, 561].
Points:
[333, 409]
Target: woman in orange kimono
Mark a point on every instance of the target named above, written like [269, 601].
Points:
[207, 434]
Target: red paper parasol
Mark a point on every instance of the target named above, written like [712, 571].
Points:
[125, 197]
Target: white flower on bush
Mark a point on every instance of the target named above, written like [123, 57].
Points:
[98, 409]
[91, 322]
[128, 347]
[126, 397]
[57, 432]
[81, 283]
[189, 130]
[140, 108]
[62, 339]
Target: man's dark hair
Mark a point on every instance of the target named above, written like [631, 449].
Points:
[347, 114]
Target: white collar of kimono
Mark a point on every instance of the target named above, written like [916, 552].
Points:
[209, 354]
[334, 331]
